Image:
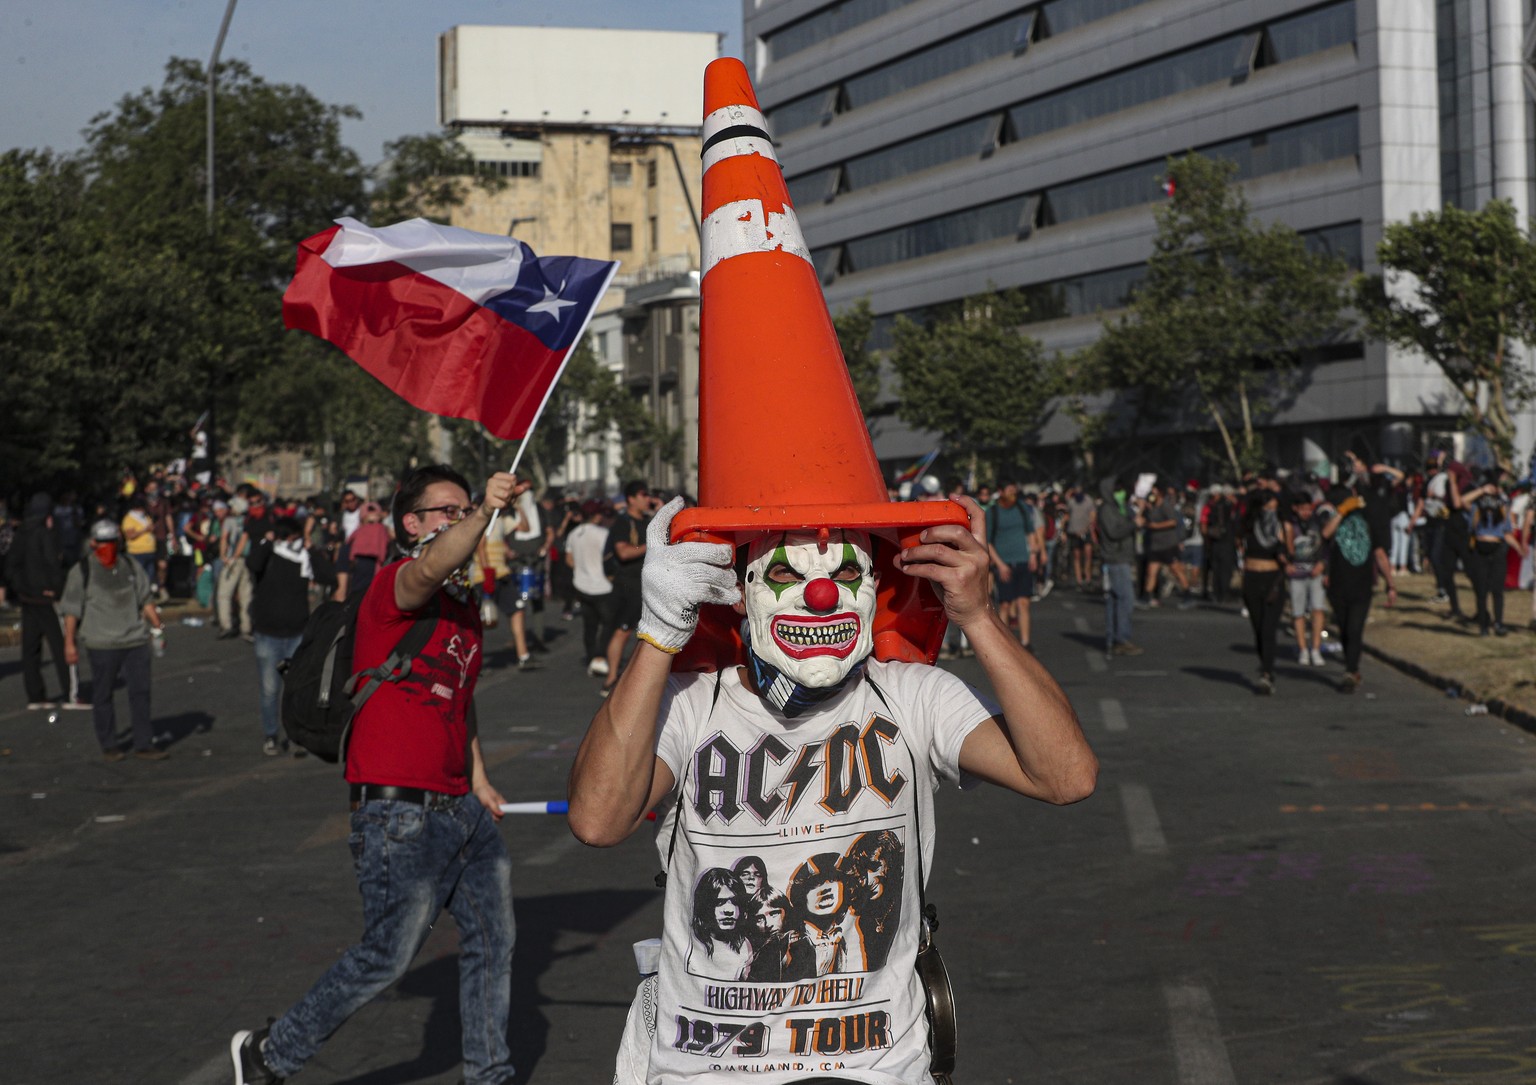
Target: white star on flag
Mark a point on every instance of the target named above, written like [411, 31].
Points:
[552, 303]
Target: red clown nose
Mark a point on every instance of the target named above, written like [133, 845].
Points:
[821, 594]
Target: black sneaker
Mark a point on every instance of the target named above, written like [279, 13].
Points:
[245, 1052]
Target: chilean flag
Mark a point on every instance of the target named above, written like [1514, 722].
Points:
[455, 322]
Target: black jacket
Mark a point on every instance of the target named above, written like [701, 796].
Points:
[280, 599]
[33, 566]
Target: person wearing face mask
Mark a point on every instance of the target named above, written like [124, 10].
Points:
[1118, 523]
[423, 807]
[782, 690]
[109, 607]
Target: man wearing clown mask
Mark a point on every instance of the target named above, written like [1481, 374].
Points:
[796, 756]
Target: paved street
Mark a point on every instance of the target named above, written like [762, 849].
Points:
[1305, 889]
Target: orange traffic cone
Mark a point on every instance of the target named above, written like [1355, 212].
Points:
[782, 442]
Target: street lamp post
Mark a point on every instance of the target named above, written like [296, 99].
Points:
[213, 367]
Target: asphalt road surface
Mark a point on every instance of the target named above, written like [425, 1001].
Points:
[1312, 889]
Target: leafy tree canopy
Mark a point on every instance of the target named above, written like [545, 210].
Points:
[123, 317]
[976, 380]
[1460, 288]
[1226, 310]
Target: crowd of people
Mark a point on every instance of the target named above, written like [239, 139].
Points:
[1281, 545]
[1277, 543]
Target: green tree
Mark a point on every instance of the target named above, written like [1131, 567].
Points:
[426, 176]
[1460, 288]
[1226, 311]
[853, 326]
[976, 380]
[123, 316]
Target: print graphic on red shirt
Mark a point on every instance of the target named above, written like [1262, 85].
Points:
[414, 733]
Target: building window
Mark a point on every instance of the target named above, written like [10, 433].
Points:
[655, 233]
[1285, 39]
[1098, 291]
[620, 173]
[621, 237]
[508, 169]
[650, 174]
[1282, 40]
[1274, 151]
[828, 23]
[966, 140]
[958, 53]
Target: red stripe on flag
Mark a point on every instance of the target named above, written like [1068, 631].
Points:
[428, 343]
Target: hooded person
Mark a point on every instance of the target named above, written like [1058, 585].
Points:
[35, 569]
[783, 685]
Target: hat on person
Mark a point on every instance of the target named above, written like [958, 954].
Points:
[592, 507]
[103, 531]
[802, 460]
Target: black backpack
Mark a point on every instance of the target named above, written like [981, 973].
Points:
[321, 692]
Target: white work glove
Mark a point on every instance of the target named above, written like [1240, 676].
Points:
[677, 579]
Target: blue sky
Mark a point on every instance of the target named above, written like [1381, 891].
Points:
[62, 61]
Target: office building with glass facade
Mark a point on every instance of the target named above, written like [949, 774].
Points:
[937, 149]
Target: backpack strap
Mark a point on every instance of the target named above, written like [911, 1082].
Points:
[395, 668]
[397, 665]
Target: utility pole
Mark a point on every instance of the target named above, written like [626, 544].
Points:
[213, 364]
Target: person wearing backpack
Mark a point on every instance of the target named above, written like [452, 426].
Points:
[109, 608]
[1015, 546]
[423, 810]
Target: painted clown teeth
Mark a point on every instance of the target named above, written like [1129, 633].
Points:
[811, 636]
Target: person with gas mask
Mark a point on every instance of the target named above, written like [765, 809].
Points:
[109, 607]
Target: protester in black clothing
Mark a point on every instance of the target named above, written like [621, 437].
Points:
[282, 571]
[36, 574]
[626, 555]
[1350, 558]
[1263, 581]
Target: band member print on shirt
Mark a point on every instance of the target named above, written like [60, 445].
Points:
[838, 914]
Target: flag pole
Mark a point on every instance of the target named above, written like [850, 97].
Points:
[565, 361]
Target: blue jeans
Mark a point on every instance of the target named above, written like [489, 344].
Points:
[411, 862]
[270, 651]
[1119, 598]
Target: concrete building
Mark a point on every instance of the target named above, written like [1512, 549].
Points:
[941, 148]
[597, 135]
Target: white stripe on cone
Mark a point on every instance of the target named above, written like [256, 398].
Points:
[743, 226]
[730, 148]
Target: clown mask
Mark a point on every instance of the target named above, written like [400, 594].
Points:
[811, 605]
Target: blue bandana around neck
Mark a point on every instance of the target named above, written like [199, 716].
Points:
[783, 692]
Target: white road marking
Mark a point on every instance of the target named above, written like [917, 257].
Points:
[1096, 662]
[1198, 1050]
[1081, 623]
[553, 852]
[1141, 819]
[1113, 714]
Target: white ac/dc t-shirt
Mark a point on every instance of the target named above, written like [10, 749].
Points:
[791, 925]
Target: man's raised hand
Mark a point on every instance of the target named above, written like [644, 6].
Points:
[955, 560]
[677, 579]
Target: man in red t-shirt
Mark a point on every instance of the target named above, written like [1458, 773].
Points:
[423, 811]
